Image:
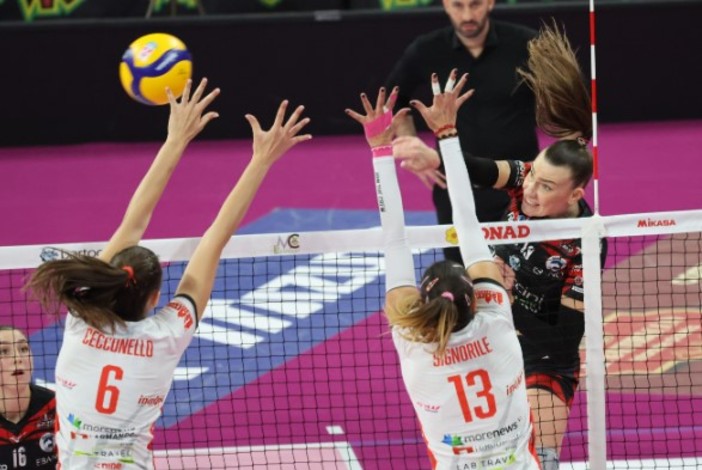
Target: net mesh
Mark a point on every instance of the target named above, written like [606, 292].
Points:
[292, 365]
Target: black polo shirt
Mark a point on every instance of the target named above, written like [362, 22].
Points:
[497, 122]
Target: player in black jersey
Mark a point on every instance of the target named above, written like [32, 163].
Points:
[27, 411]
[547, 282]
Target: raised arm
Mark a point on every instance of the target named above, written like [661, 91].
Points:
[268, 147]
[185, 122]
[441, 119]
[400, 283]
[425, 162]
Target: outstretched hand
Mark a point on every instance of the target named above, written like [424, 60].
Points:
[186, 119]
[377, 121]
[444, 108]
[420, 159]
[270, 145]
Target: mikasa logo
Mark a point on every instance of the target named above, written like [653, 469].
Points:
[656, 223]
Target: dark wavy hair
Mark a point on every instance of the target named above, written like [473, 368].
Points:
[563, 104]
[102, 294]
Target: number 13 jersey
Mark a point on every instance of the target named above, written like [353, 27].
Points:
[472, 401]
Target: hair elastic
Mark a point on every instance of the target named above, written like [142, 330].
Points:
[447, 295]
[441, 129]
[130, 274]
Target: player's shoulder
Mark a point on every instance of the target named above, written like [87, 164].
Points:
[181, 306]
[514, 32]
[490, 293]
[41, 394]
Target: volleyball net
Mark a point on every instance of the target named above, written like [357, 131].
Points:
[292, 365]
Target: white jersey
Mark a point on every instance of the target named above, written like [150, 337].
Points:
[472, 401]
[110, 388]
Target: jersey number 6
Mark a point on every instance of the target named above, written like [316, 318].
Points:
[109, 393]
[488, 408]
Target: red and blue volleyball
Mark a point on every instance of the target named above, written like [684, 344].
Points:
[153, 62]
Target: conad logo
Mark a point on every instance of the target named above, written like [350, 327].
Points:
[507, 232]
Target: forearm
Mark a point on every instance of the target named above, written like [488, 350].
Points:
[485, 172]
[238, 202]
[200, 273]
[472, 244]
[399, 264]
[152, 185]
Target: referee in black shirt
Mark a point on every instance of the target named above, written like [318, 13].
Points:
[498, 122]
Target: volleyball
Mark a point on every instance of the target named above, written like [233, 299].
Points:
[153, 62]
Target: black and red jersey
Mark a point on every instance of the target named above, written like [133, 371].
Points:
[29, 444]
[545, 271]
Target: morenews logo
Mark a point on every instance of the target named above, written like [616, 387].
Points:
[656, 223]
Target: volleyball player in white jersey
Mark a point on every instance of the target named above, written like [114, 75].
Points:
[460, 358]
[116, 364]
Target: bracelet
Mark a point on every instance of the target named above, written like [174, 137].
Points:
[448, 136]
[443, 128]
[382, 151]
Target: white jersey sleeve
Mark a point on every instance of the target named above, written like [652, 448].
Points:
[110, 387]
[471, 401]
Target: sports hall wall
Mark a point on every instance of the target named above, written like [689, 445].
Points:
[60, 84]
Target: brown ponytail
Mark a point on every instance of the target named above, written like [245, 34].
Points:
[442, 306]
[102, 294]
[563, 105]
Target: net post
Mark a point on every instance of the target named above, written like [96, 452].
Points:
[592, 231]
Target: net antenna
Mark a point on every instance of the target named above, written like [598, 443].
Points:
[593, 93]
[596, 406]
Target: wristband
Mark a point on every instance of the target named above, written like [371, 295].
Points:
[443, 128]
[382, 151]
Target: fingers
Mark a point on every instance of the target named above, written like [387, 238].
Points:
[392, 99]
[280, 115]
[451, 81]
[298, 127]
[198, 91]
[355, 116]
[465, 97]
[435, 87]
[461, 83]
[440, 179]
[294, 117]
[253, 122]
[207, 100]
[207, 118]
[380, 101]
[301, 138]
[366, 104]
[419, 106]
[185, 97]
[401, 114]
[171, 98]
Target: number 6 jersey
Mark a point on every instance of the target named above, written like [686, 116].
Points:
[472, 401]
[110, 387]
